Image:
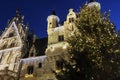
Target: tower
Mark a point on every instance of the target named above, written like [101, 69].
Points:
[52, 21]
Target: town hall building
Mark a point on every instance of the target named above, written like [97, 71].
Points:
[23, 56]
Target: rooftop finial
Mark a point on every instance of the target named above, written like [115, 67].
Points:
[26, 28]
[92, 0]
[53, 12]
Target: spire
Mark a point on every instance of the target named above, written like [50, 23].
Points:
[17, 12]
[26, 30]
[92, 0]
[17, 16]
[27, 26]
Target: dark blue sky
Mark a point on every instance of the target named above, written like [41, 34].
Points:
[36, 11]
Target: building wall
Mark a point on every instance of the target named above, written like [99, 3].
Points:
[55, 51]
[12, 64]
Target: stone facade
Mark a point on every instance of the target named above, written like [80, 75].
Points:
[25, 57]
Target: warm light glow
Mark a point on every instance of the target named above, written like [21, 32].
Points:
[64, 47]
[57, 71]
[17, 33]
[28, 75]
[6, 32]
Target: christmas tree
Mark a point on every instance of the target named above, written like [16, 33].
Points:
[94, 48]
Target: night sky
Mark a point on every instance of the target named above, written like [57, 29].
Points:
[36, 11]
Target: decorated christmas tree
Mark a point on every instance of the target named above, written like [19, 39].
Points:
[94, 48]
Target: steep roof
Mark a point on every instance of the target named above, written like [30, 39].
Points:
[41, 45]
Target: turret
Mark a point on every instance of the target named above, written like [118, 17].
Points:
[53, 21]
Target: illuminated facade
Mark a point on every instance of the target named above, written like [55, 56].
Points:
[25, 57]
